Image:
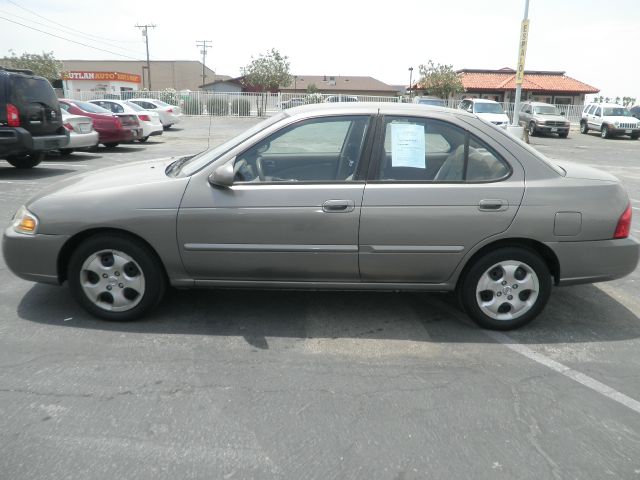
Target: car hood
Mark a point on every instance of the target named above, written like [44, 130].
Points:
[551, 118]
[493, 117]
[621, 119]
[577, 170]
[105, 195]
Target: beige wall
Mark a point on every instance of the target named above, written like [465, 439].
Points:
[178, 74]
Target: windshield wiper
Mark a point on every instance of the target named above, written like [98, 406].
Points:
[174, 168]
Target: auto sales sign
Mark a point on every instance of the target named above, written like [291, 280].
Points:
[102, 76]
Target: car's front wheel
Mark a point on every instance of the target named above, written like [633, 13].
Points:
[506, 288]
[532, 129]
[604, 132]
[584, 128]
[116, 277]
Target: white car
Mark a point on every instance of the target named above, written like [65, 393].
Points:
[487, 110]
[610, 120]
[149, 121]
[81, 133]
[169, 114]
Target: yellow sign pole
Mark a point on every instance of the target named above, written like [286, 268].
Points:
[522, 53]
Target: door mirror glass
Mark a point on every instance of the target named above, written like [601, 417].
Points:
[223, 175]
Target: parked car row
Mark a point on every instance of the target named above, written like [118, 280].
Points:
[33, 121]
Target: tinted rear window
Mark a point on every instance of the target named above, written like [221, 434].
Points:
[26, 90]
[90, 107]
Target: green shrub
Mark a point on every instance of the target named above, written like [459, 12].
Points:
[241, 107]
[217, 105]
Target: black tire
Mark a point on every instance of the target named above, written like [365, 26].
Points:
[563, 135]
[481, 267]
[584, 128]
[65, 152]
[604, 132]
[111, 145]
[150, 268]
[532, 129]
[143, 139]
[25, 161]
[635, 136]
[167, 127]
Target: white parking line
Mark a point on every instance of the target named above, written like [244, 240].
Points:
[581, 378]
[62, 165]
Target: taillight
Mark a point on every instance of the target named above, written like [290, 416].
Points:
[118, 122]
[13, 115]
[144, 118]
[68, 126]
[624, 224]
[169, 110]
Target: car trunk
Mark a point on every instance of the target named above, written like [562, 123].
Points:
[36, 103]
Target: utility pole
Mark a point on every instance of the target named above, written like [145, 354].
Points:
[204, 45]
[522, 53]
[146, 37]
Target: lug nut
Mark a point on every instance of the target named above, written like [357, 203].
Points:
[104, 275]
[499, 294]
[117, 274]
[515, 285]
[121, 285]
[108, 287]
[510, 297]
[504, 282]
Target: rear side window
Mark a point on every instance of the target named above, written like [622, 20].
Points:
[90, 107]
[27, 90]
[426, 150]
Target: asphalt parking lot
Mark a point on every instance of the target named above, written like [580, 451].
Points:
[252, 384]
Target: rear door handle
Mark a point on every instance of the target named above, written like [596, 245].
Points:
[338, 206]
[492, 205]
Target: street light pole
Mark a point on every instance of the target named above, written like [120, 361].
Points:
[204, 45]
[146, 38]
[410, 82]
[522, 53]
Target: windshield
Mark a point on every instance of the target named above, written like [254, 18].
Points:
[617, 112]
[431, 101]
[90, 107]
[202, 159]
[161, 103]
[135, 106]
[482, 107]
[546, 110]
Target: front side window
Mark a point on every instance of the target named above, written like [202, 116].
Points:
[598, 114]
[425, 150]
[617, 112]
[318, 150]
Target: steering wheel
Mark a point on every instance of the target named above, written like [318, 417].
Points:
[259, 169]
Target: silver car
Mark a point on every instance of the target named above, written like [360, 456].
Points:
[347, 196]
[540, 117]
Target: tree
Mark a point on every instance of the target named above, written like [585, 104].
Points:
[268, 72]
[43, 64]
[440, 80]
[311, 88]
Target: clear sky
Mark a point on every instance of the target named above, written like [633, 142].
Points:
[596, 42]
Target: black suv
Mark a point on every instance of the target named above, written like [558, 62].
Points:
[30, 118]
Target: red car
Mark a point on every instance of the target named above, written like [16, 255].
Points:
[112, 129]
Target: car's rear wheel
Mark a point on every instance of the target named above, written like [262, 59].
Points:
[584, 128]
[116, 277]
[65, 152]
[604, 132]
[532, 129]
[506, 288]
[111, 145]
[25, 161]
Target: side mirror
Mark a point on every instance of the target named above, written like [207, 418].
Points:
[224, 175]
[562, 113]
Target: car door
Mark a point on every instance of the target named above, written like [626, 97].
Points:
[292, 213]
[435, 190]
[595, 117]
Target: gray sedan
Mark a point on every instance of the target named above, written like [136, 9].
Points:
[344, 196]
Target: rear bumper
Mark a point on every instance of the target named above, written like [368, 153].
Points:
[33, 257]
[598, 261]
[18, 140]
[83, 140]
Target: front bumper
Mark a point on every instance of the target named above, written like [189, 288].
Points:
[33, 257]
[624, 131]
[553, 128]
[597, 261]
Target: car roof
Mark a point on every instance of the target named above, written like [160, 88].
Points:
[539, 103]
[372, 108]
[607, 105]
[481, 100]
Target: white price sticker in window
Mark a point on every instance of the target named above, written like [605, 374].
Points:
[407, 145]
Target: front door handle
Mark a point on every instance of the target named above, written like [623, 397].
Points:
[338, 206]
[492, 205]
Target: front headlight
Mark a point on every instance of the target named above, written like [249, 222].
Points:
[617, 124]
[25, 222]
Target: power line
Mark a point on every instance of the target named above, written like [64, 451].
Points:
[62, 25]
[65, 31]
[145, 33]
[68, 39]
[204, 45]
